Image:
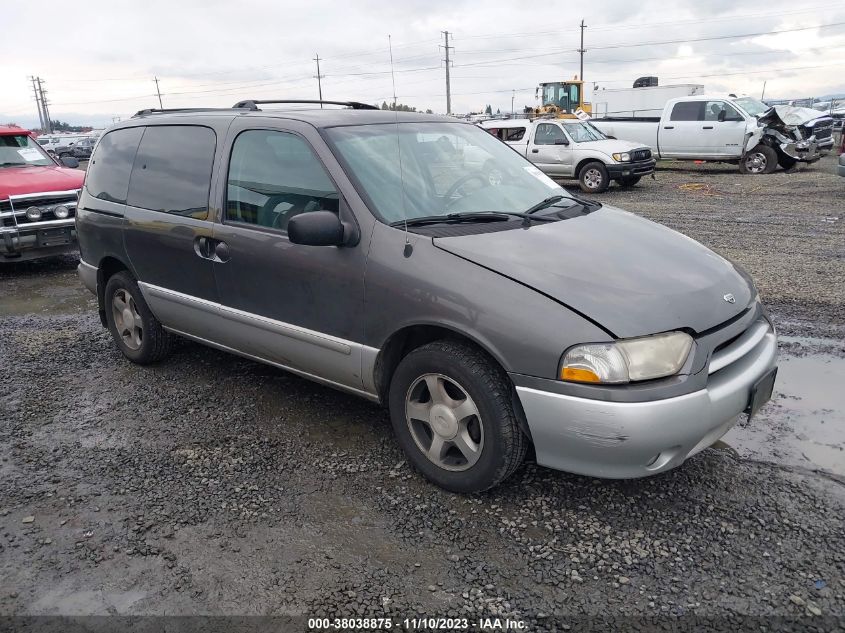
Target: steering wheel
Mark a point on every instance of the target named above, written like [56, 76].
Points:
[460, 182]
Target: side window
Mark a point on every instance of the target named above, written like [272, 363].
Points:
[111, 165]
[688, 111]
[547, 134]
[720, 111]
[514, 133]
[274, 176]
[172, 171]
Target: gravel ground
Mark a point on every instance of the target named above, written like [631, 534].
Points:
[213, 485]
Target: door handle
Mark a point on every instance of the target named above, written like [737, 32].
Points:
[535, 151]
[202, 247]
[707, 127]
[668, 127]
[221, 252]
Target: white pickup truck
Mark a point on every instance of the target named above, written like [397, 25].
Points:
[740, 130]
[568, 148]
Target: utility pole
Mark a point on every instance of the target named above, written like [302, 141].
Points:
[38, 104]
[764, 90]
[448, 84]
[48, 123]
[158, 92]
[581, 50]
[513, 96]
[319, 78]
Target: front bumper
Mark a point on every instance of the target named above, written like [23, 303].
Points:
[638, 168]
[635, 439]
[37, 240]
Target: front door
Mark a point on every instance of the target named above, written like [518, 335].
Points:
[549, 150]
[297, 306]
[723, 130]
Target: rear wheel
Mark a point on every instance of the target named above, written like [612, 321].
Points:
[138, 334]
[452, 411]
[628, 181]
[593, 178]
[762, 159]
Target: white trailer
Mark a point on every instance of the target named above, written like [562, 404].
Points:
[639, 103]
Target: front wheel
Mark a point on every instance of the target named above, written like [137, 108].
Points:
[786, 162]
[452, 412]
[761, 159]
[628, 181]
[138, 334]
[593, 178]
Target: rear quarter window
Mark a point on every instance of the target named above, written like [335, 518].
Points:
[107, 177]
[172, 171]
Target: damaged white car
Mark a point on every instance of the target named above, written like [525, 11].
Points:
[725, 128]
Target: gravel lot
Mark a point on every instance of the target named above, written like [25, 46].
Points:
[214, 485]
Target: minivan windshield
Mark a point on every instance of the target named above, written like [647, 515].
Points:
[445, 168]
[17, 150]
[752, 106]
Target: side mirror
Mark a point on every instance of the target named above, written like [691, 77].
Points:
[722, 115]
[561, 141]
[70, 161]
[316, 228]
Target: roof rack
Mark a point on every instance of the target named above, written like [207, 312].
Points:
[252, 104]
[148, 111]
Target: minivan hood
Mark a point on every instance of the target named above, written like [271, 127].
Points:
[631, 276]
[15, 181]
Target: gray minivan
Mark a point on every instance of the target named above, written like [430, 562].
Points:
[366, 250]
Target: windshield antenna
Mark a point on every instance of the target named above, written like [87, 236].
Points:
[408, 248]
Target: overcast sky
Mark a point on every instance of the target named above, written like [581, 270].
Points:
[100, 60]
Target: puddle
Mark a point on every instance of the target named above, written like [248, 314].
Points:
[804, 424]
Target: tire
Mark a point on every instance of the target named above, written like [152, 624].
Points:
[628, 181]
[485, 414]
[593, 178]
[143, 345]
[786, 162]
[761, 159]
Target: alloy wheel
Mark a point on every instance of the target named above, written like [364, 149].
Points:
[127, 319]
[593, 178]
[756, 163]
[444, 422]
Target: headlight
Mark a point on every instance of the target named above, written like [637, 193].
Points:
[61, 212]
[33, 214]
[627, 360]
[624, 157]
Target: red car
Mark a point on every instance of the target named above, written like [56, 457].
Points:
[37, 199]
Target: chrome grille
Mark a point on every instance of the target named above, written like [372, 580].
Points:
[13, 210]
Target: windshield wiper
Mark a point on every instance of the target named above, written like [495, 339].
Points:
[543, 204]
[476, 216]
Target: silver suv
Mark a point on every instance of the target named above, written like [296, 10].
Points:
[368, 251]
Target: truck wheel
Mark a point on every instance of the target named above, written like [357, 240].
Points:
[628, 181]
[593, 178]
[452, 412]
[138, 334]
[786, 162]
[762, 159]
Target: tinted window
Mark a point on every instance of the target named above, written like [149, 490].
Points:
[688, 111]
[274, 176]
[108, 175]
[548, 133]
[172, 170]
[514, 133]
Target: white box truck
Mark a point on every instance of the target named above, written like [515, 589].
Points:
[638, 103]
